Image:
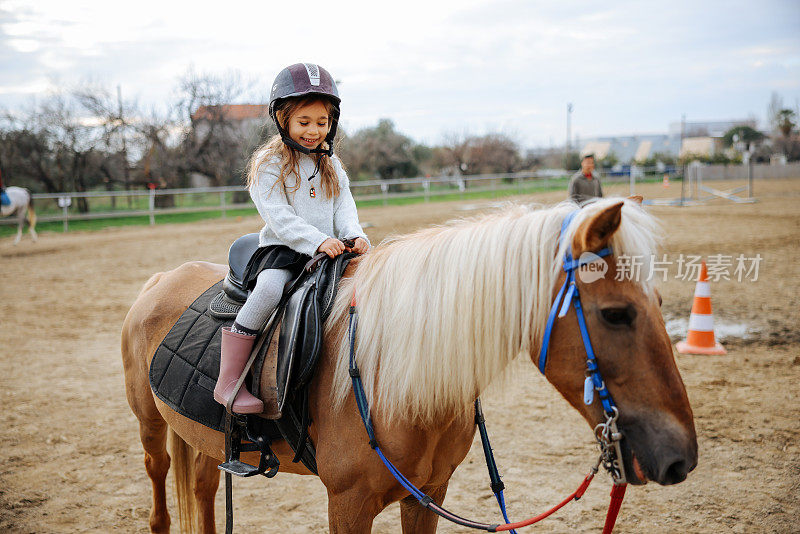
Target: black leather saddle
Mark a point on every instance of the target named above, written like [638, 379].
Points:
[238, 257]
[306, 303]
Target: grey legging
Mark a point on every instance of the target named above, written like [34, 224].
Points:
[262, 300]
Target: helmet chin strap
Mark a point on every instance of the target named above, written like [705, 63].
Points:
[291, 143]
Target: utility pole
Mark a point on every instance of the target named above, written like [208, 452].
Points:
[683, 164]
[569, 135]
[123, 133]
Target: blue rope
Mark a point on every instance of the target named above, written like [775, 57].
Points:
[424, 499]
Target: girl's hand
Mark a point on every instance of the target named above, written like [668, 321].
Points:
[360, 246]
[332, 247]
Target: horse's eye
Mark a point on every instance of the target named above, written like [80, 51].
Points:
[619, 316]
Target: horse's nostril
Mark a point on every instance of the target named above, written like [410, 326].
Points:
[676, 472]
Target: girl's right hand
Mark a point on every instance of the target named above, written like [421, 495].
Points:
[332, 247]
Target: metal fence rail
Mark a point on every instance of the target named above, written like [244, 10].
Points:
[146, 202]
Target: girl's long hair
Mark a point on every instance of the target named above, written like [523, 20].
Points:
[288, 157]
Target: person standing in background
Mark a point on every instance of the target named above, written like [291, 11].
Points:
[585, 184]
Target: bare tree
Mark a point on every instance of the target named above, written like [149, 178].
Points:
[115, 120]
[379, 151]
[215, 143]
[467, 154]
[50, 145]
[495, 152]
[76, 140]
[455, 152]
[773, 111]
[26, 156]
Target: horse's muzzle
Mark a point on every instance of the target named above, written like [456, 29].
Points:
[663, 453]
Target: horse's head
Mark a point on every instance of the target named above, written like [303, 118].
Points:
[635, 359]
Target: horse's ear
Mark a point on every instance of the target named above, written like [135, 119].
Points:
[595, 233]
[636, 198]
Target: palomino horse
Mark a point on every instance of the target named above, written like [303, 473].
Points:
[21, 207]
[442, 313]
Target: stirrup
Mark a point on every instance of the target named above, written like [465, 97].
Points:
[235, 430]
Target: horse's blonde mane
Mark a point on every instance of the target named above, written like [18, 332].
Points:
[444, 310]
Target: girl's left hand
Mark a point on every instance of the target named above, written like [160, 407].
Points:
[360, 246]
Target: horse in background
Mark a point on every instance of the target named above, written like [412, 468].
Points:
[442, 313]
[21, 207]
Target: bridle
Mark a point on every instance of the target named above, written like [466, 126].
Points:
[607, 434]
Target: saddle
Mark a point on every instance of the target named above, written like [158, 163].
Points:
[301, 314]
[299, 317]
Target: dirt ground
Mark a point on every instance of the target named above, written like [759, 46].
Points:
[71, 461]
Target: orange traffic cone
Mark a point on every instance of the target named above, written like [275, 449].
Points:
[665, 182]
[700, 338]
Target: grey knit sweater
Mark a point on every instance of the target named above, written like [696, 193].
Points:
[582, 189]
[298, 220]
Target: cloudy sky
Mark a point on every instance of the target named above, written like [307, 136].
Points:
[433, 67]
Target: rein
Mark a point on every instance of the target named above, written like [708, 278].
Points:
[606, 434]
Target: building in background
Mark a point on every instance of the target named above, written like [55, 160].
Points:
[701, 138]
[631, 148]
[246, 120]
[232, 130]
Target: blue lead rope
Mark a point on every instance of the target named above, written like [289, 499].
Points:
[424, 499]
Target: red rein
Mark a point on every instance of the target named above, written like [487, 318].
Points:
[617, 494]
[577, 494]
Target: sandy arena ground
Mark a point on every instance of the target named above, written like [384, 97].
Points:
[71, 461]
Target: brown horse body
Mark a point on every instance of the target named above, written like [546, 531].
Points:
[656, 419]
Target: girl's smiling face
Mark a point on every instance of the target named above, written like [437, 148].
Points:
[309, 125]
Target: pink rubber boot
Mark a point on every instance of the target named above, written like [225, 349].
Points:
[236, 350]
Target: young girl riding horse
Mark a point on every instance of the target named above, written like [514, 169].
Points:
[302, 192]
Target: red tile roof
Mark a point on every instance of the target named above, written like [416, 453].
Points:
[234, 112]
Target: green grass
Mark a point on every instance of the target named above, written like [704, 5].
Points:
[134, 202]
[139, 220]
[504, 190]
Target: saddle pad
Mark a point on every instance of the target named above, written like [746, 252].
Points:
[185, 367]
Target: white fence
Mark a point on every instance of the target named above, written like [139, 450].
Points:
[155, 202]
[761, 171]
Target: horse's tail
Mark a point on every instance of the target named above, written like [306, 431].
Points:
[31, 214]
[183, 470]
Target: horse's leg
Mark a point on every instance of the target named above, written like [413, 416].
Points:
[415, 518]
[153, 433]
[206, 483]
[352, 511]
[19, 227]
[32, 223]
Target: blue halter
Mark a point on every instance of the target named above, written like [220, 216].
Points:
[606, 433]
[569, 293]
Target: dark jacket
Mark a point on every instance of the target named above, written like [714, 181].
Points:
[581, 189]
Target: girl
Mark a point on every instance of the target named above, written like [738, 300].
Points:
[302, 192]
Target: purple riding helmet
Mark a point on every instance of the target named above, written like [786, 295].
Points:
[303, 79]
